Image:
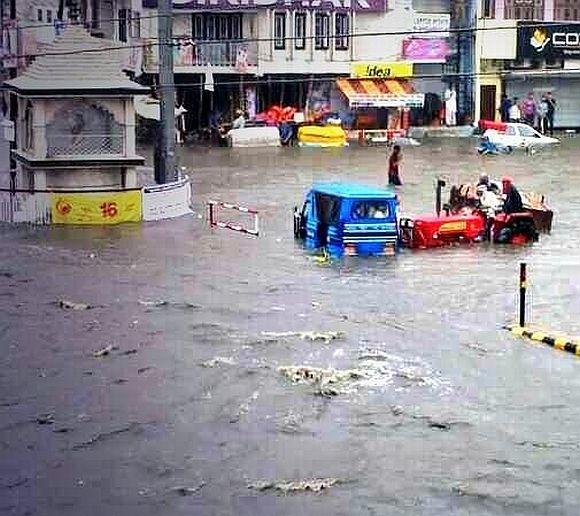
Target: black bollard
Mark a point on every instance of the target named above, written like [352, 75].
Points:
[522, 294]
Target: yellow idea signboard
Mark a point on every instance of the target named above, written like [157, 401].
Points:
[96, 207]
[381, 70]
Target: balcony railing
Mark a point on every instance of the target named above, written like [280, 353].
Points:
[85, 145]
[187, 53]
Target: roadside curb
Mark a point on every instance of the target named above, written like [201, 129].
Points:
[562, 343]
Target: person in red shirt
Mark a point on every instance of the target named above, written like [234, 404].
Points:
[394, 165]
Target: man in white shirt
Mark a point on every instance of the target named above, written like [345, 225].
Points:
[515, 112]
[240, 121]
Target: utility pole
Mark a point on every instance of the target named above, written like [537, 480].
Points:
[166, 163]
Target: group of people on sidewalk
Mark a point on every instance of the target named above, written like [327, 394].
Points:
[536, 113]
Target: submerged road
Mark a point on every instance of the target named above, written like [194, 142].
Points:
[184, 410]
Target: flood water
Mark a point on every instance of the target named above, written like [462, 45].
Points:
[447, 415]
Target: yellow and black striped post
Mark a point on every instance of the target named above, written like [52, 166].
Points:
[522, 294]
[563, 343]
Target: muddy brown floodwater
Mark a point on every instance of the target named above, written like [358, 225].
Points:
[166, 397]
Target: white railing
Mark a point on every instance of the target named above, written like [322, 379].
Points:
[23, 207]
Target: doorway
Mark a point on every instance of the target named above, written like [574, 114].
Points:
[487, 102]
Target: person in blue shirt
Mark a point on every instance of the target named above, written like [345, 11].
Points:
[504, 108]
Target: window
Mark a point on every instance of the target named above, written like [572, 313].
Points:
[235, 24]
[222, 22]
[327, 208]
[321, 31]
[341, 31]
[211, 27]
[488, 8]
[198, 26]
[371, 210]
[523, 9]
[300, 31]
[215, 27]
[527, 131]
[135, 25]
[123, 24]
[49, 16]
[280, 31]
[39, 15]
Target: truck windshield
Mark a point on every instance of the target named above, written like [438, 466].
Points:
[370, 210]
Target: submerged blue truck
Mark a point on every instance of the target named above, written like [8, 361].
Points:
[349, 219]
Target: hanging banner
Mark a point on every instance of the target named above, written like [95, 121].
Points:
[381, 70]
[96, 207]
[239, 5]
[242, 58]
[425, 50]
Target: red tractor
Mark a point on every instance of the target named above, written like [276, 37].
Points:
[462, 221]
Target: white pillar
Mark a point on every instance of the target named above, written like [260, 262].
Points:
[548, 10]
[40, 143]
[499, 9]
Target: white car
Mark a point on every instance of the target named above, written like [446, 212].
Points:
[519, 135]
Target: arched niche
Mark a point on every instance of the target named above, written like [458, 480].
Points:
[84, 129]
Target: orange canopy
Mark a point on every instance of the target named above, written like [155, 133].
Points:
[380, 93]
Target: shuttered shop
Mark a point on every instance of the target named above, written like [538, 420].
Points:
[566, 91]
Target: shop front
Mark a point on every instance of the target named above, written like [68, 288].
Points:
[380, 97]
[548, 60]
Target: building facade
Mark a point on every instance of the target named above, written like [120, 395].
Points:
[252, 54]
[76, 122]
[515, 53]
[29, 26]
[264, 53]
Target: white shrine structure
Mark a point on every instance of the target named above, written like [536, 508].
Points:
[76, 118]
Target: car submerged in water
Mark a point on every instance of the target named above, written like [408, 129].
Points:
[515, 135]
[350, 219]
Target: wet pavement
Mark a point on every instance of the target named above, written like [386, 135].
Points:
[165, 396]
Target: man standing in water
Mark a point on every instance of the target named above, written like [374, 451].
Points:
[551, 101]
[394, 165]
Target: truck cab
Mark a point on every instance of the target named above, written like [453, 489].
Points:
[348, 219]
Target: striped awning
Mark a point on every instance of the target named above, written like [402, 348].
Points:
[380, 93]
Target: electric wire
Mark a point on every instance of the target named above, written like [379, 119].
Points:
[152, 41]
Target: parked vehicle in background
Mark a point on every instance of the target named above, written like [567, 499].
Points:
[518, 136]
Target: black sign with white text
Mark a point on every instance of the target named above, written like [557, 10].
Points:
[549, 41]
